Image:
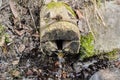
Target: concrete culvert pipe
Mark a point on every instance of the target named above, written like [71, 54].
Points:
[58, 30]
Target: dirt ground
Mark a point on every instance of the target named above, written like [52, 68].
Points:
[20, 57]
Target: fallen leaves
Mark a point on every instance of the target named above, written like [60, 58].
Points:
[13, 8]
[2, 40]
[15, 73]
[64, 74]
[15, 62]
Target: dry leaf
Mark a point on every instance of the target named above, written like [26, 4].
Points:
[21, 32]
[2, 41]
[21, 48]
[15, 62]
[35, 70]
[79, 14]
[14, 9]
[36, 35]
[15, 73]
[29, 72]
[57, 63]
[64, 74]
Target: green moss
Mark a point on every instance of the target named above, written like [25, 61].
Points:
[2, 33]
[7, 39]
[112, 54]
[87, 46]
[87, 49]
[53, 4]
[1, 30]
[99, 3]
[70, 9]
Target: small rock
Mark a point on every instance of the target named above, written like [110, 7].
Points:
[21, 48]
[106, 75]
[15, 62]
[117, 64]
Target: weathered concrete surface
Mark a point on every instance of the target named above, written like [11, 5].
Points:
[108, 35]
[58, 28]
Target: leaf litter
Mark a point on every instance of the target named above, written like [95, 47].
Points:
[25, 61]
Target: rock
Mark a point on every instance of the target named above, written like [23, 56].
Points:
[108, 37]
[21, 48]
[106, 75]
[59, 30]
[106, 31]
[0, 3]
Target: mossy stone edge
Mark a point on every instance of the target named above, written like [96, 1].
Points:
[87, 49]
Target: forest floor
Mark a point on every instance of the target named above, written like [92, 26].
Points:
[20, 57]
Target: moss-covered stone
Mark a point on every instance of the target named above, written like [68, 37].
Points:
[87, 49]
[53, 5]
[87, 46]
[112, 54]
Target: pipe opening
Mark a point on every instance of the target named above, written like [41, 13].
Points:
[59, 44]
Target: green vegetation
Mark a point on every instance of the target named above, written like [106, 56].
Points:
[87, 49]
[53, 4]
[87, 46]
[4, 37]
[7, 40]
[99, 2]
[112, 54]
[1, 30]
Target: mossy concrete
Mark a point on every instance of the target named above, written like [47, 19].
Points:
[55, 11]
[58, 22]
[53, 5]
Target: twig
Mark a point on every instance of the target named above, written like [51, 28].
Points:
[98, 15]
[14, 10]
[2, 7]
[89, 25]
[33, 19]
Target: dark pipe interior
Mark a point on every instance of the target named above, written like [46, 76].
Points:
[59, 44]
